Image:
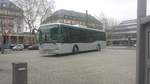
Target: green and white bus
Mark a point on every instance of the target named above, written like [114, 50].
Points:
[58, 38]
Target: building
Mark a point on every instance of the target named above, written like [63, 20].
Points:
[124, 34]
[74, 18]
[11, 24]
[11, 17]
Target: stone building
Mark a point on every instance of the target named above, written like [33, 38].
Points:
[11, 24]
[74, 18]
[11, 17]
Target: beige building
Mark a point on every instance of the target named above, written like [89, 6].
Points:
[11, 17]
[11, 24]
[74, 18]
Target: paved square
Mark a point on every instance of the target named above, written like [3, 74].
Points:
[110, 66]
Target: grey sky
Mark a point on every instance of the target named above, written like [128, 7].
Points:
[118, 9]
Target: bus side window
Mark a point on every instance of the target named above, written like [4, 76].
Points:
[90, 35]
[54, 33]
[75, 37]
[65, 34]
[82, 36]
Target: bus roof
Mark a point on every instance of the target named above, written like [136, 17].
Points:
[70, 25]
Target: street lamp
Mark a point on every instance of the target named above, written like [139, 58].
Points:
[2, 47]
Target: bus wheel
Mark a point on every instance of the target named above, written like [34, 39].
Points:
[75, 50]
[98, 47]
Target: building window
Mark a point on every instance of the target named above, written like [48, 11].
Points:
[66, 17]
[67, 21]
[3, 4]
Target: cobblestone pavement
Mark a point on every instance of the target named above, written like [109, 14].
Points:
[110, 66]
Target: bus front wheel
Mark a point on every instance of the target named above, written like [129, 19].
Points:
[75, 50]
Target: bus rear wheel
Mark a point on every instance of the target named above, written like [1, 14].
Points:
[75, 50]
[98, 47]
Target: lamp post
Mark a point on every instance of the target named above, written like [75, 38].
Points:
[2, 47]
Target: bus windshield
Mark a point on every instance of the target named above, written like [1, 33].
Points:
[49, 34]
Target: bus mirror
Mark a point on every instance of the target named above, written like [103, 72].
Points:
[39, 30]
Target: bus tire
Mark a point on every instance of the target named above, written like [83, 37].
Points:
[75, 49]
[98, 47]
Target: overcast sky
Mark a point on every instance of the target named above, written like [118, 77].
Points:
[118, 9]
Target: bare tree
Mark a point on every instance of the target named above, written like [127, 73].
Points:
[46, 9]
[35, 11]
[108, 23]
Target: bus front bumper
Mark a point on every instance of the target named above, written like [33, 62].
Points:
[48, 51]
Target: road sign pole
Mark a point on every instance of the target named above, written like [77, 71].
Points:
[19, 73]
[141, 12]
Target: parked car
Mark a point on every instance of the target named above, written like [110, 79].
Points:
[33, 47]
[12, 45]
[27, 45]
[18, 47]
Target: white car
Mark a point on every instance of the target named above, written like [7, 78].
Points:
[18, 47]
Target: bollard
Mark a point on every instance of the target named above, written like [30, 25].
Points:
[19, 73]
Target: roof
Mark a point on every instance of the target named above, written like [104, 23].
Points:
[127, 24]
[76, 15]
[129, 21]
[10, 5]
[70, 25]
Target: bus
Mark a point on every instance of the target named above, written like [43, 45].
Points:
[59, 38]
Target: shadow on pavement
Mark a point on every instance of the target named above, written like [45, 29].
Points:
[69, 54]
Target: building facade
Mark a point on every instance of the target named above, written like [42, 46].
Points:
[124, 34]
[11, 24]
[11, 17]
[74, 18]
